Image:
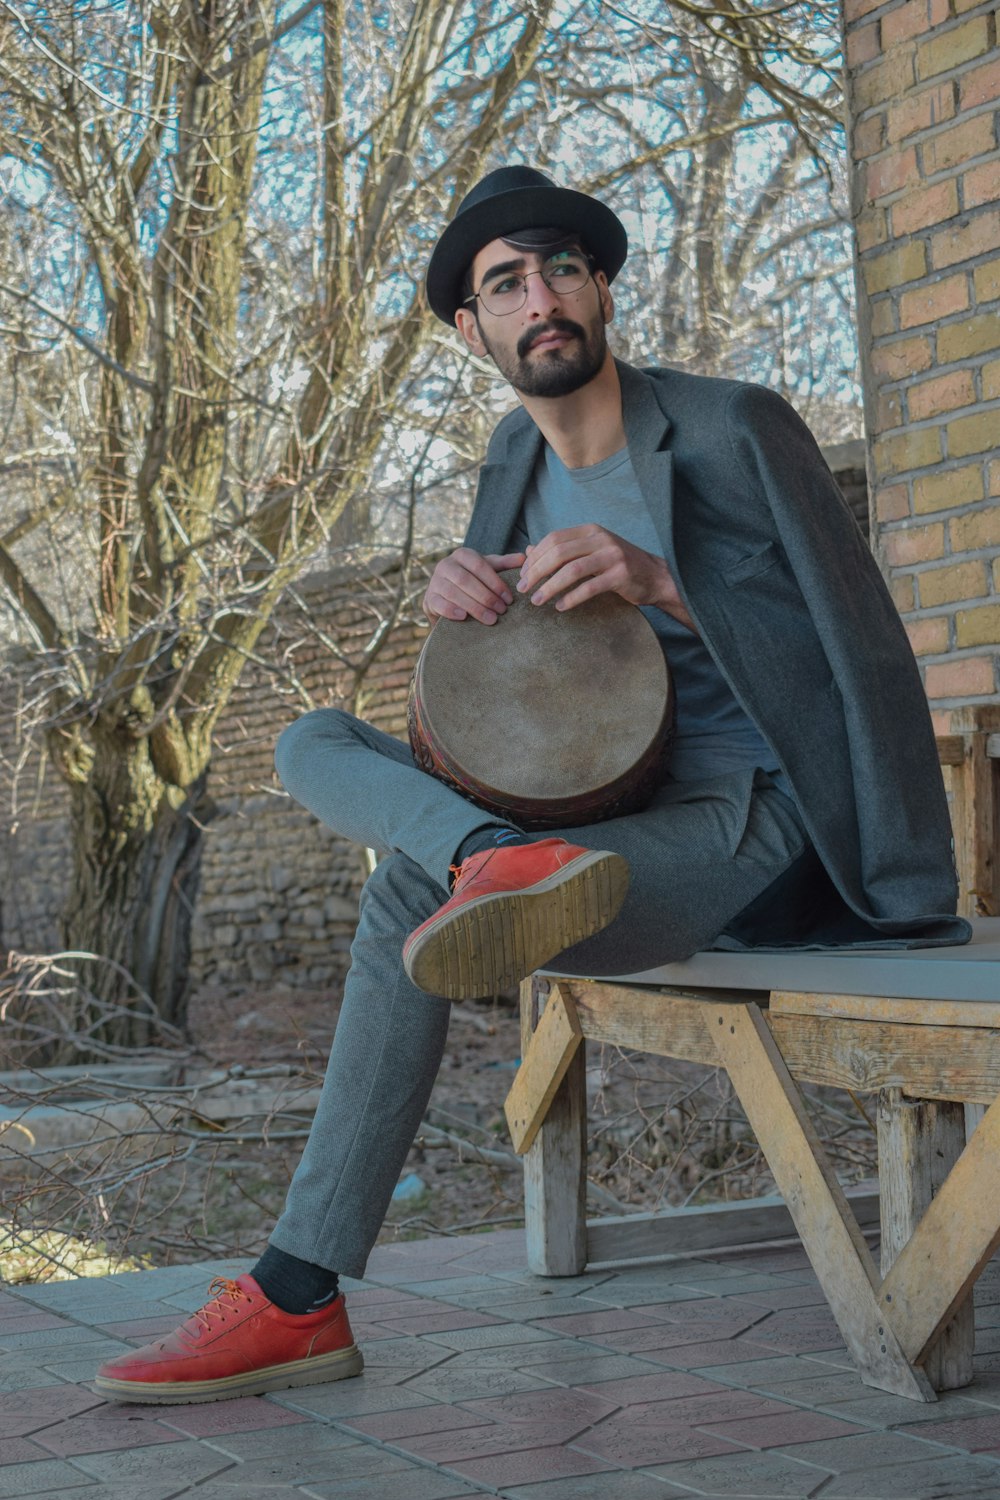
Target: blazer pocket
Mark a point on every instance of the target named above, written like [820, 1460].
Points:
[749, 567]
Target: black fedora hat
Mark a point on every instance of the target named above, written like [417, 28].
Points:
[508, 200]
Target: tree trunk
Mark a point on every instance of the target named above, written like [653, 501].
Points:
[137, 846]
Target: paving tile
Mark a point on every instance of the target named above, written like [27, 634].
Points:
[387, 1427]
[350, 1398]
[937, 1479]
[968, 1433]
[84, 1365]
[779, 1296]
[185, 1460]
[590, 1324]
[28, 1320]
[308, 1437]
[59, 1335]
[18, 1374]
[85, 1488]
[22, 1413]
[795, 1333]
[879, 1409]
[700, 1355]
[410, 1483]
[245, 1414]
[139, 1330]
[530, 1467]
[497, 1335]
[633, 1445]
[438, 1320]
[662, 1336]
[568, 1410]
[402, 1357]
[793, 1426]
[750, 1474]
[827, 1390]
[662, 1386]
[765, 1372]
[358, 1460]
[106, 1429]
[622, 1486]
[867, 1450]
[20, 1480]
[984, 1390]
[466, 1384]
[519, 1356]
[703, 1411]
[490, 1439]
[592, 1367]
[22, 1450]
[458, 1286]
[706, 1310]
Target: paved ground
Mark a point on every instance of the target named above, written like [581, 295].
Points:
[714, 1376]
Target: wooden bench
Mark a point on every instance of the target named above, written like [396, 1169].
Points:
[918, 1027]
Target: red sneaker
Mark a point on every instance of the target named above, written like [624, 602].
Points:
[513, 909]
[238, 1344]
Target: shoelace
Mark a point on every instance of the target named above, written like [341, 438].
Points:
[219, 1290]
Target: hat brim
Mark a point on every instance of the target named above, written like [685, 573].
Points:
[521, 208]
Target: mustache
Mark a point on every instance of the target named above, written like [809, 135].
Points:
[557, 325]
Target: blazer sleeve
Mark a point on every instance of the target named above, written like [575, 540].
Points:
[902, 811]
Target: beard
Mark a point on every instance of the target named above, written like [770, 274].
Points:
[554, 372]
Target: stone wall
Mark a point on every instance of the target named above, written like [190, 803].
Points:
[924, 96]
[278, 901]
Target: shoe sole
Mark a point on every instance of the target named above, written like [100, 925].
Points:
[496, 940]
[313, 1371]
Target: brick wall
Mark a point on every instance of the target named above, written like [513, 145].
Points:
[924, 104]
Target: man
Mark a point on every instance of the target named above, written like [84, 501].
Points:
[803, 805]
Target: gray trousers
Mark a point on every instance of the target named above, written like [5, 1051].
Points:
[698, 855]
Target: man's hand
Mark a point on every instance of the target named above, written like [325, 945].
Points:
[464, 584]
[587, 561]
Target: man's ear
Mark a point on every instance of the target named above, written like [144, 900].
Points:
[607, 301]
[468, 327]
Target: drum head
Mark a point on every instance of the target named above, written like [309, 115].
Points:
[545, 705]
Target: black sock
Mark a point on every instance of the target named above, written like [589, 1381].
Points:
[296, 1286]
[489, 836]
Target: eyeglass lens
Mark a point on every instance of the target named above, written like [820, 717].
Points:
[564, 273]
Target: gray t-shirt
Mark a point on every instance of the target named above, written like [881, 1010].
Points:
[714, 734]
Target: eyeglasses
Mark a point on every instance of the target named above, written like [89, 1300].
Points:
[567, 272]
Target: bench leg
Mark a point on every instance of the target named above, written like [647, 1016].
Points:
[820, 1211]
[555, 1166]
[919, 1142]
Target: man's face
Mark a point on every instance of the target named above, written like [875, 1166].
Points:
[555, 342]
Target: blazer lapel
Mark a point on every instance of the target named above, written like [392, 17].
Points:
[647, 427]
[501, 489]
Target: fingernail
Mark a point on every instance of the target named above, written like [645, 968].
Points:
[508, 598]
[537, 598]
[521, 585]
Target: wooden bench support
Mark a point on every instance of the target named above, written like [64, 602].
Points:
[555, 1164]
[937, 1268]
[919, 1142]
[815, 1199]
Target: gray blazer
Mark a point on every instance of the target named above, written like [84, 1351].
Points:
[790, 602]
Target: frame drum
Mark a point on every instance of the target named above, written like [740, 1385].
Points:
[546, 719]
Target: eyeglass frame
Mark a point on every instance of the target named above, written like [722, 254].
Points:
[591, 262]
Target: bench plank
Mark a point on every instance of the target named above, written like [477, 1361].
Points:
[884, 1008]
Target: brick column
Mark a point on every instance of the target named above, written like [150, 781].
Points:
[923, 82]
